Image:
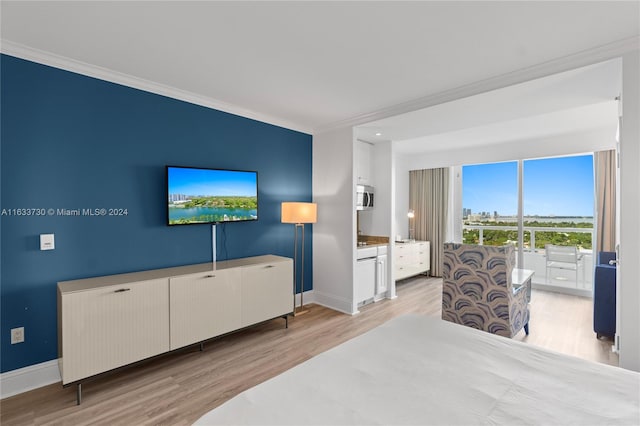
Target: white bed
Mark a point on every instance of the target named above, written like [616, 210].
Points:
[421, 370]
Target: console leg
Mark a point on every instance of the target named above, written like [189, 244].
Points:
[286, 321]
[201, 346]
[79, 394]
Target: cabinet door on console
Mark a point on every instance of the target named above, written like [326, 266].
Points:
[203, 306]
[267, 291]
[107, 327]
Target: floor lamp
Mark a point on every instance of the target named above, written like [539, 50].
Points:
[411, 214]
[298, 214]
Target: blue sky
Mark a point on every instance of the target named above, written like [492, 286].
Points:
[212, 182]
[552, 186]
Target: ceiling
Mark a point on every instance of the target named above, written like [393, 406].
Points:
[312, 66]
[572, 102]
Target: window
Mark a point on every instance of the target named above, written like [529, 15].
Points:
[557, 208]
[490, 201]
[558, 193]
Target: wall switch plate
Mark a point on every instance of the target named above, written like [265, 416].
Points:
[17, 335]
[47, 242]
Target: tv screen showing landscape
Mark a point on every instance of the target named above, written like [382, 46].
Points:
[197, 195]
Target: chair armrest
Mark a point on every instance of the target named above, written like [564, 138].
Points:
[525, 286]
[519, 307]
[518, 289]
[521, 290]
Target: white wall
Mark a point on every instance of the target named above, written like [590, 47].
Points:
[401, 221]
[334, 233]
[378, 221]
[454, 227]
[629, 268]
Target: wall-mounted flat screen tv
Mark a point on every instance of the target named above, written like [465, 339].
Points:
[199, 195]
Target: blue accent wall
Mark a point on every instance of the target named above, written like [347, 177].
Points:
[70, 141]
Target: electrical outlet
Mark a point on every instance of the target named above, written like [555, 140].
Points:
[17, 335]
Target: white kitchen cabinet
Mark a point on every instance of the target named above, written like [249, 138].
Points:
[204, 305]
[365, 279]
[370, 273]
[108, 322]
[363, 162]
[381, 275]
[411, 258]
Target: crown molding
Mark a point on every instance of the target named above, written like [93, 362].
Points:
[566, 63]
[62, 62]
[576, 60]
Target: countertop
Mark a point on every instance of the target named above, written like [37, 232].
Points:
[372, 245]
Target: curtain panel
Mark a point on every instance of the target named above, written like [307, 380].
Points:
[429, 199]
[605, 176]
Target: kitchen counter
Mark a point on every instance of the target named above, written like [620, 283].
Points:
[365, 245]
[372, 241]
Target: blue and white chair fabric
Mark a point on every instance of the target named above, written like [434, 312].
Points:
[478, 292]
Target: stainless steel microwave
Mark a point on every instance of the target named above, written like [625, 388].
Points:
[364, 199]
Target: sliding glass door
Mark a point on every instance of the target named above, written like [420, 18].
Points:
[557, 199]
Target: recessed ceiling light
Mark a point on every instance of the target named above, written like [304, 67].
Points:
[378, 134]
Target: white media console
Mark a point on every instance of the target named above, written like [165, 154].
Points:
[108, 322]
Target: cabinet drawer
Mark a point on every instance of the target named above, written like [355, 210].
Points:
[403, 255]
[411, 259]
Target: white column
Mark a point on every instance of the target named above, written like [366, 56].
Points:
[628, 290]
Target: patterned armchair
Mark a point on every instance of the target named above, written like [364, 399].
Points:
[477, 289]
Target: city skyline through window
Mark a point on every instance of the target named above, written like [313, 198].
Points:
[491, 188]
[556, 193]
[561, 186]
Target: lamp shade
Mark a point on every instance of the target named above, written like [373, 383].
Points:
[299, 212]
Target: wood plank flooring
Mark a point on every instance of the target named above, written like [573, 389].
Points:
[178, 388]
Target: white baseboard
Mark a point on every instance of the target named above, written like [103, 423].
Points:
[32, 377]
[309, 297]
[333, 302]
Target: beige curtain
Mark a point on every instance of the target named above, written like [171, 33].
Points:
[605, 177]
[429, 199]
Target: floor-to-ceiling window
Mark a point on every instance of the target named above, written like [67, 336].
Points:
[557, 201]
[490, 203]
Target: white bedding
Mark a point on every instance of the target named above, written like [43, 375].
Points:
[421, 370]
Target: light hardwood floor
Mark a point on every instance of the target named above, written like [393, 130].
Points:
[180, 387]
